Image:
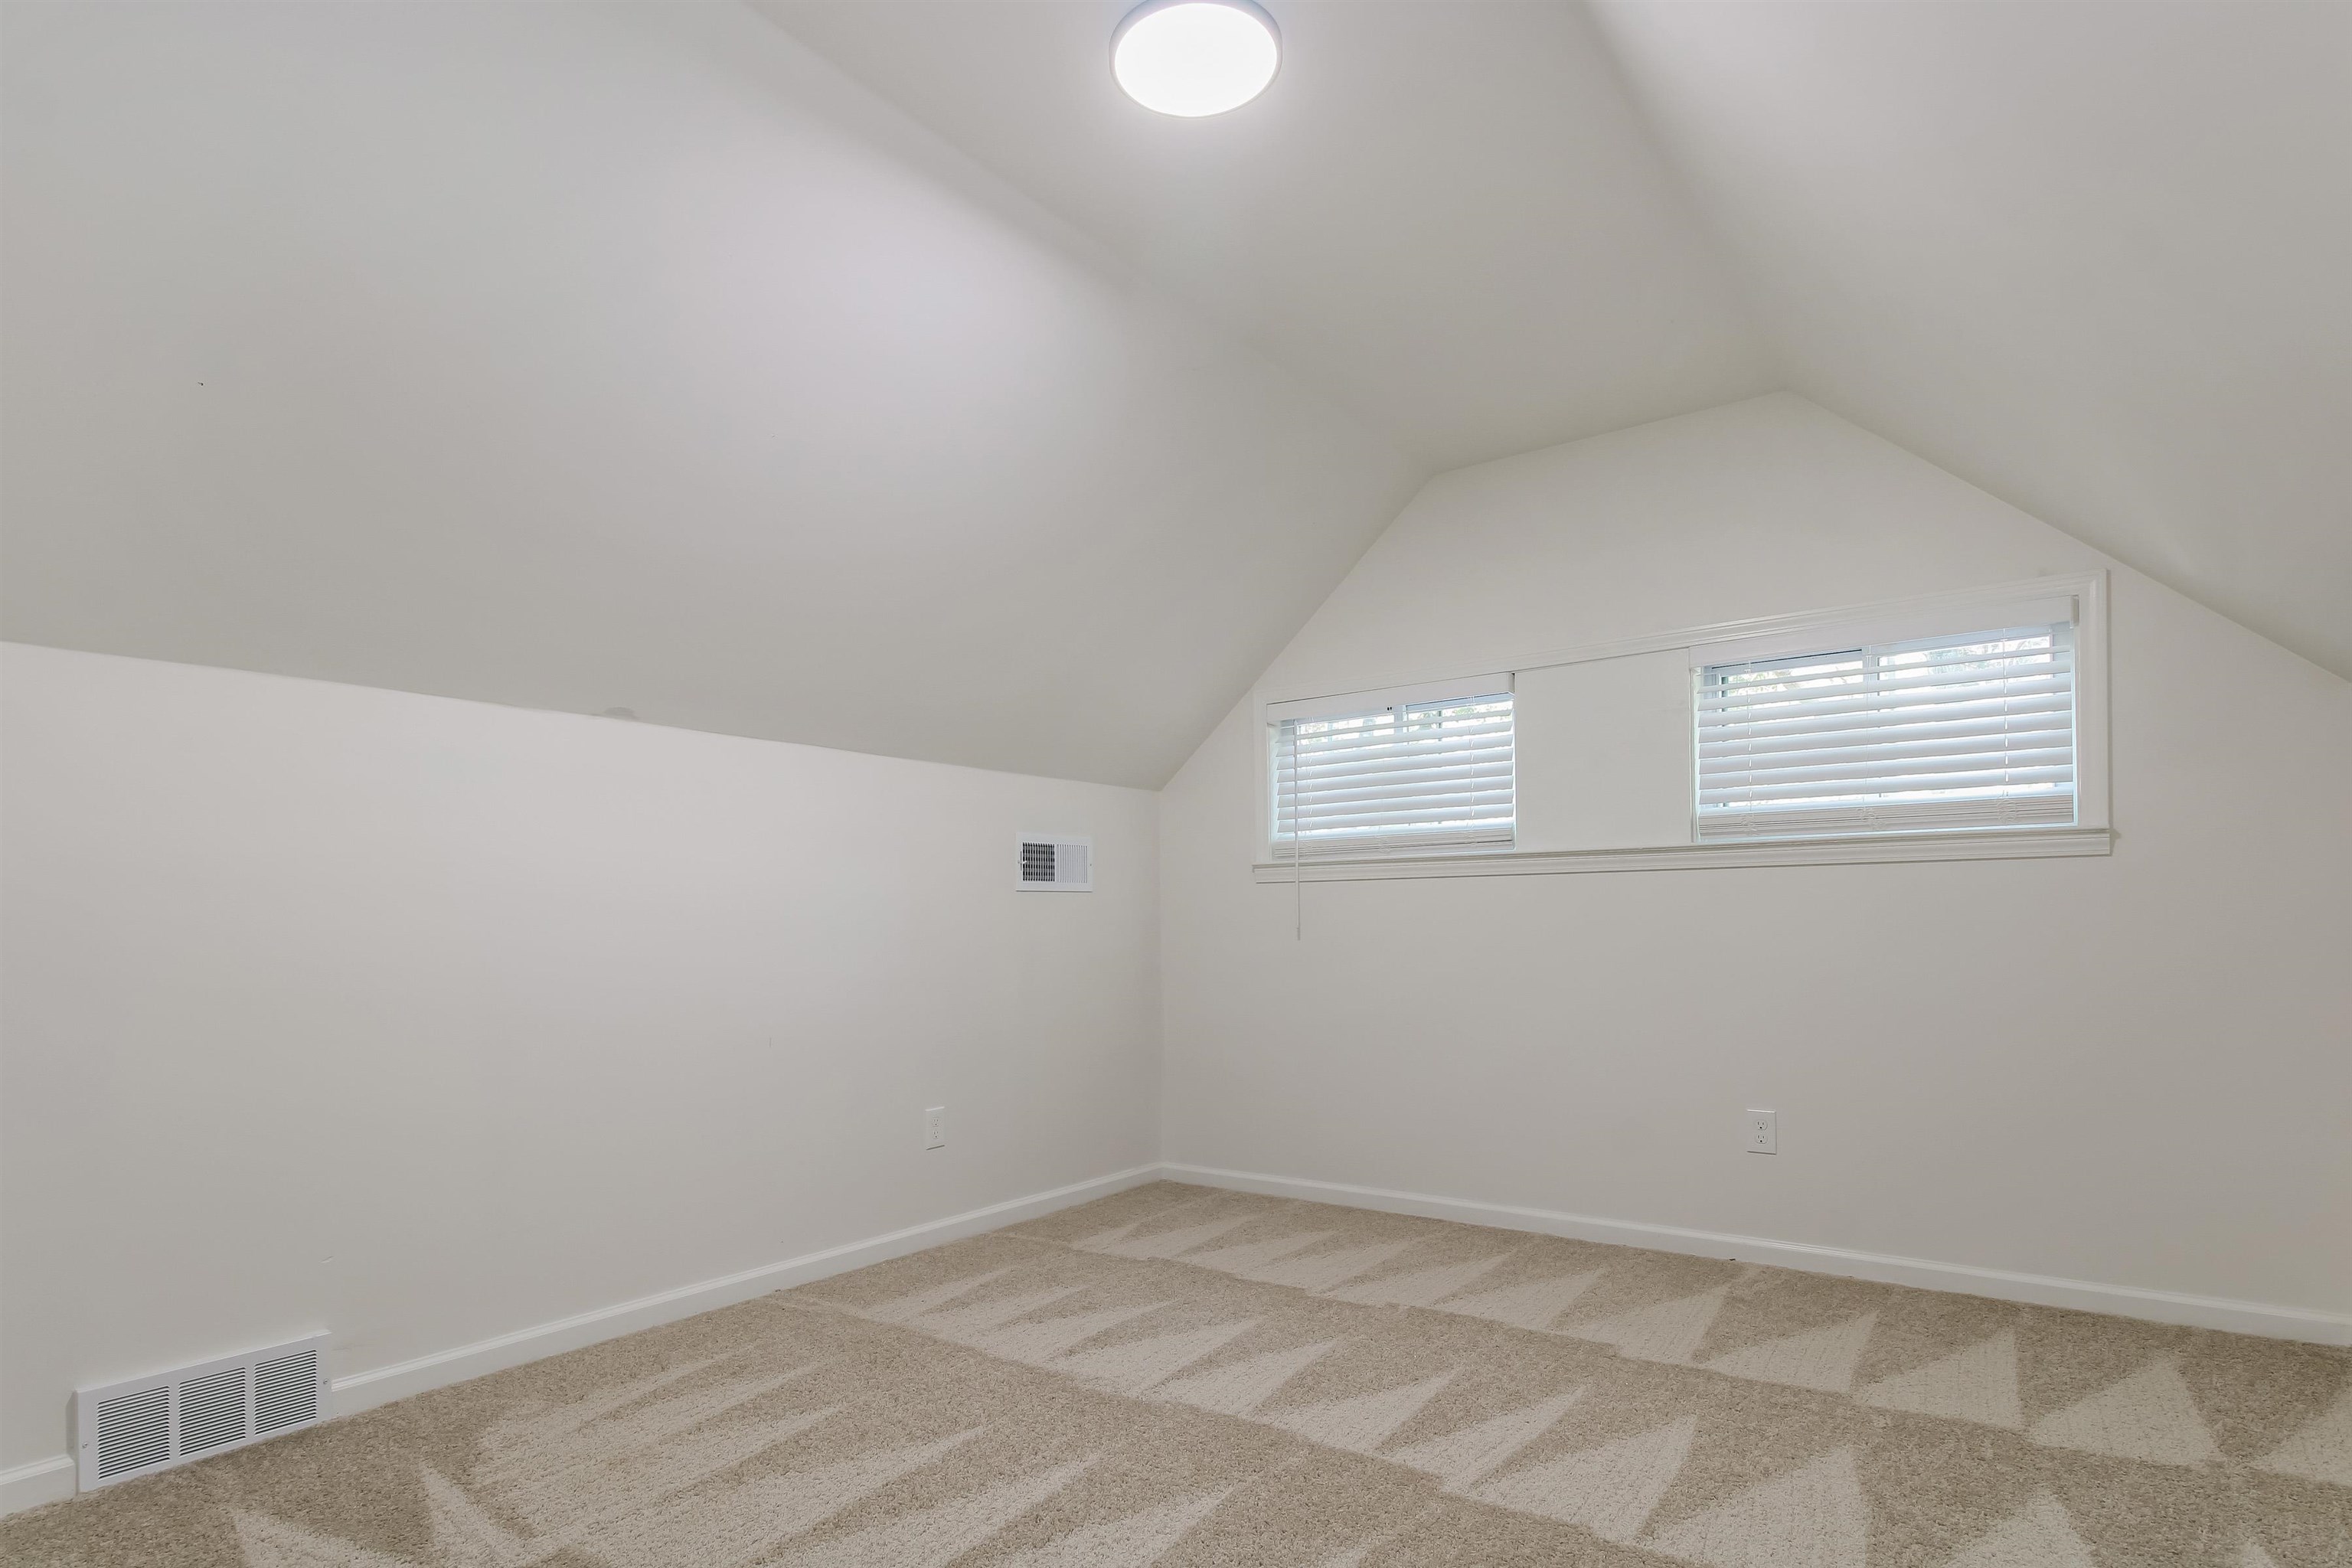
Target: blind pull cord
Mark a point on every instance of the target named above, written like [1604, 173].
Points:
[1297, 814]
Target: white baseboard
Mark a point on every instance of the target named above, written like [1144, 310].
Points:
[364, 1390]
[30, 1486]
[47, 1481]
[2035, 1290]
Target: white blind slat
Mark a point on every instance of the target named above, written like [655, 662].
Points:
[1954, 731]
[1415, 775]
[1856, 693]
[1989, 712]
[1314, 768]
[1911, 772]
[1848, 737]
[1489, 791]
[1981, 780]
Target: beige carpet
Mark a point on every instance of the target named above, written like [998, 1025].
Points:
[1174, 1376]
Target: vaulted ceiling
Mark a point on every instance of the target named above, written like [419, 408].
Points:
[875, 376]
[2096, 259]
[588, 357]
[1448, 215]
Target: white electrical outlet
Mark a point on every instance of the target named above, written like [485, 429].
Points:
[935, 1127]
[1763, 1131]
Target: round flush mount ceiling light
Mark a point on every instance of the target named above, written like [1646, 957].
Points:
[1193, 57]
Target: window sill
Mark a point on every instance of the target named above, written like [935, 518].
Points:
[1965, 844]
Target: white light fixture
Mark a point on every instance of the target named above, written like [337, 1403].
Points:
[1193, 57]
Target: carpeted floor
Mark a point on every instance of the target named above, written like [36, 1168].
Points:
[1180, 1377]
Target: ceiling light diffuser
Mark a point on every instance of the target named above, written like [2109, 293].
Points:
[1193, 57]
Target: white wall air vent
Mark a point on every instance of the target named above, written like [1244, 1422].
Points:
[149, 1423]
[1050, 865]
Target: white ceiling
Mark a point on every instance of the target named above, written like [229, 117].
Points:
[2096, 259]
[2092, 257]
[638, 356]
[1447, 214]
[583, 357]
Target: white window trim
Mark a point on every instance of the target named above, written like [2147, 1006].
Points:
[1339, 704]
[2092, 831]
[1959, 844]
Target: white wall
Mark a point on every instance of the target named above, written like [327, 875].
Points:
[426, 1021]
[2129, 1069]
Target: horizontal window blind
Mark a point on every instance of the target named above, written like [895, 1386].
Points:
[1413, 776]
[1975, 730]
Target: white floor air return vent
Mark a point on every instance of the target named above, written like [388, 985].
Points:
[1056, 865]
[150, 1424]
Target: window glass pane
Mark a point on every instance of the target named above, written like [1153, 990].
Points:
[1966, 731]
[1425, 774]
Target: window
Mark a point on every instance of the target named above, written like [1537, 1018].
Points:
[1419, 773]
[1963, 725]
[1955, 731]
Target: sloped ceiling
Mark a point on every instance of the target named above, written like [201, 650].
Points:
[2096, 259]
[875, 375]
[1449, 215]
[2093, 258]
[587, 358]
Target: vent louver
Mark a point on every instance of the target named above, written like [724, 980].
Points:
[286, 1392]
[1050, 865]
[150, 1424]
[212, 1411]
[133, 1432]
